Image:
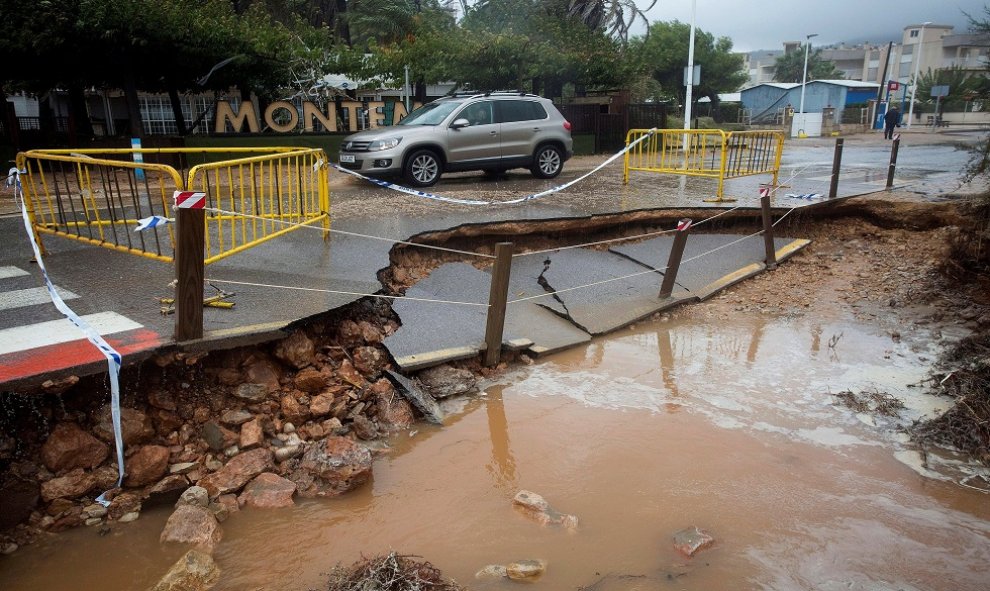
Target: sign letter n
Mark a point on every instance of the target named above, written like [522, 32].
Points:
[245, 112]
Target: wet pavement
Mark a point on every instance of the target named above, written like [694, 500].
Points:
[299, 275]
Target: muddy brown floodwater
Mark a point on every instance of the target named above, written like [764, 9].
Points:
[732, 427]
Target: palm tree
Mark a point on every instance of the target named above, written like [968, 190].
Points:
[615, 17]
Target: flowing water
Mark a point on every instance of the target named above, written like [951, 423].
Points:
[731, 427]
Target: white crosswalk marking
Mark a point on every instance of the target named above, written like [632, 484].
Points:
[7, 272]
[42, 334]
[32, 296]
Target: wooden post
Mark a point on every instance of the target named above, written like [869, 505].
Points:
[833, 189]
[191, 228]
[674, 260]
[893, 160]
[497, 297]
[771, 260]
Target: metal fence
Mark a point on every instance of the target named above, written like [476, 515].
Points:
[710, 153]
[98, 196]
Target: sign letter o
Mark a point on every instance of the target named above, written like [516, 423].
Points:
[293, 116]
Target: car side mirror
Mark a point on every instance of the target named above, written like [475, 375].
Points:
[459, 123]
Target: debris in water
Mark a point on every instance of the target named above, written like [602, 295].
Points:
[691, 540]
[390, 573]
[539, 509]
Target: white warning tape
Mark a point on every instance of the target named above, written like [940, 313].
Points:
[395, 187]
[93, 336]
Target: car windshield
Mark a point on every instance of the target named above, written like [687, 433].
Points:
[430, 114]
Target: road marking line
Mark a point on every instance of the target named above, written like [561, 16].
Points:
[7, 272]
[32, 296]
[54, 332]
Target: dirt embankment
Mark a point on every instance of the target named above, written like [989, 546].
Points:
[322, 388]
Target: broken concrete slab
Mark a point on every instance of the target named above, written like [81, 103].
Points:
[620, 290]
[433, 333]
[423, 402]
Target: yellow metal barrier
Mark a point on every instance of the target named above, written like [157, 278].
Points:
[98, 196]
[710, 153]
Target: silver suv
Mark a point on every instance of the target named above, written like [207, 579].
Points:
[493, 132]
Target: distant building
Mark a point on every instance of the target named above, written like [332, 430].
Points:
[766, 102]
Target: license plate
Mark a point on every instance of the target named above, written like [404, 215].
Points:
[347, 158]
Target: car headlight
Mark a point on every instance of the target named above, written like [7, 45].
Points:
[384, 144]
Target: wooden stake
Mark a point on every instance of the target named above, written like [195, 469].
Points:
[497, 298]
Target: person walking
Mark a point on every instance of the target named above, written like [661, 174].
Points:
[891, 120]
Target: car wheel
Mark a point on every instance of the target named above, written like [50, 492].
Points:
[422, 169]
[547, 162]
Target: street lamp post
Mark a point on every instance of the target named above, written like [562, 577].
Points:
[804, 75]
[917, 66]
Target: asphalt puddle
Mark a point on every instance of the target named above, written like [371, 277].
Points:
[733, 427]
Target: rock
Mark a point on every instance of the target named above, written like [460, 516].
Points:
[419, 399]
[70, 447]
[369, 361]
[167, 490]
[190, 524]
[165, 421]
[74, 484]
[162, 399]
[525, 569]
[288, 428]
[106, 477]
[183, 467]
[135, 426]
[364, 428]
[394, 413]
[18, 498]
[146, 465]
[320, 405]
[336, 464]
[235, 417]
[252, 435]
[217, 437]
[350, 375]
[123, 504]
[692, 540]
[237, 472]
[259, 369]
[532, 501]
[492, 571]
[288, 452]
[536, 507]
[129, 517]
[90, 522]
[370, 333]
[8, 548]
[349, 333]
[268, 491]
[195, 571]
[444, 381]
[292, 410]
[194, 495]
[310, 380]
[95, 510]
[297, 350]
[252, 392]
[229, 502]
[58, 506]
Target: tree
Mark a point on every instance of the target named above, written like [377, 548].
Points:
[614, 17]
[964, 85]
[663, 54]
[790, 67]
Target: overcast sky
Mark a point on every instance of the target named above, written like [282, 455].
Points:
[766, 24]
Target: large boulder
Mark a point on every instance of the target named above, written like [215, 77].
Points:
[268, 491]
[135, 426]
[146, 465]
[394, 413]
[297, 350]
[335, 465]
[444, 381]
[237, 472]
[190, 524]
[195, 571]
[69, 447]
[74, 484]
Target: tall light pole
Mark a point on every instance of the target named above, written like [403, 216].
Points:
[804, 75]
[917, 66]
[690, 69]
